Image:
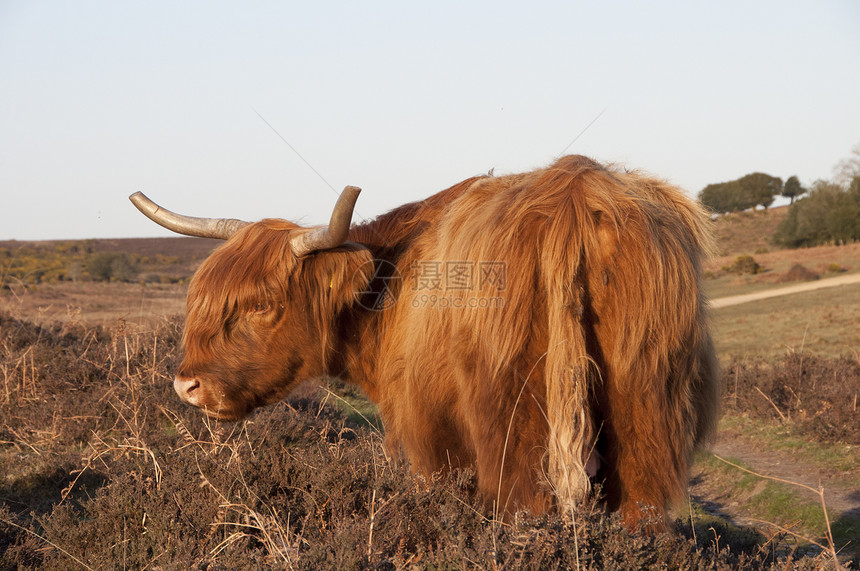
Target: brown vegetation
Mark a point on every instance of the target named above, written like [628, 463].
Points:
[150, 260]
[798, 273]
[742, 265]
[822, 322]
[820, 258]
[102, 468]
[826, 261]
[817, 396]
[94, 303]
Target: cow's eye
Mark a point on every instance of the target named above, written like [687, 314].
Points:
[261, 308]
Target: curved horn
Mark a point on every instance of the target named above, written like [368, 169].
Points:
[337, 230]
[221, 228]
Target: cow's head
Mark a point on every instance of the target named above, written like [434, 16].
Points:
[261, 309]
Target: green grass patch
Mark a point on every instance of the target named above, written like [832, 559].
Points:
[775, 502]
[740, 481]
[356, 407]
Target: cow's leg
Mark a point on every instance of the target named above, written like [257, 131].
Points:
[508, 481]
[507, 436]
[646, 460]
[431, 442]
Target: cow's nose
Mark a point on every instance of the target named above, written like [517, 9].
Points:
[186, 389]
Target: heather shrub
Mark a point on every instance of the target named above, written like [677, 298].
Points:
[818, 396]
[798, 273]
[744, 264]
[101, 466]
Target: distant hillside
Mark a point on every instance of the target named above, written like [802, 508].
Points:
[748, 232]
[187, 249]
[162, 260]
[737, 233]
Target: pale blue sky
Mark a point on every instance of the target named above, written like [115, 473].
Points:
[100, 99]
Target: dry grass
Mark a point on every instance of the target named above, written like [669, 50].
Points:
[747, 232]
[100, 465]
[95, 303]
[822, 322]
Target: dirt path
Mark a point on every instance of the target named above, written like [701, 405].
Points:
[842, 500]
[838, 497]
[797, 288]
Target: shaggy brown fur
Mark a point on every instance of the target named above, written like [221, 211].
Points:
[588, 350]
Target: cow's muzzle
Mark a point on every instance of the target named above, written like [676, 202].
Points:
[188, 390]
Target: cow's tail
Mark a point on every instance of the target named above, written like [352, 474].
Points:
[570, 371]
[628, 247]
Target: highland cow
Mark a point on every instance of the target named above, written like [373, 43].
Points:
[546, 329]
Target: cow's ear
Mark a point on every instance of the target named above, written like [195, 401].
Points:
[340, 274]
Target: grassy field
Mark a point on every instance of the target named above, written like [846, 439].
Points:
[821, 322]
[95, 303]
[101, 467]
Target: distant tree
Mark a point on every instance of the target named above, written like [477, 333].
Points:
[746, 192]
[828, 214]
[739, 198]
[716, 197]
[111, 267]
[75, 270]
[843, 222]
[99, 267]
[123, 268]
[759, 188]
[848, 168]
[792, 189]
